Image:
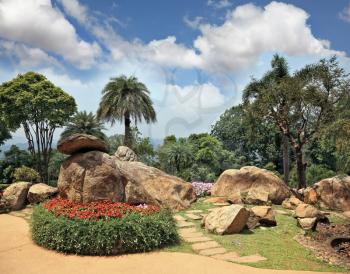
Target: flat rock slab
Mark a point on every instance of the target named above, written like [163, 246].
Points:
[187, 230]
[205, 245]
[212, 251]
[179, 218]
[184, 224]
[196, 239]
[193, 216]
[194, 211]
[191, 234]
[221, 204]
[281, 212]
[226, 256]
[248, 259]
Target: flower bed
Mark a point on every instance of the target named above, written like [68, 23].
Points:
[102, 228]
[202, 189]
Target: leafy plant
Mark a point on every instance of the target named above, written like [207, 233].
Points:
[26, 174]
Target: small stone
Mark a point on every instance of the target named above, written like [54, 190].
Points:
[194, 211]
[191, 235]
[179, 218]
[205, 245]
[248, 259]
[212, 251]
[187, 230]
[221, 204]
[193, 216]
[196, 239]
[226, 256]
[184, 224]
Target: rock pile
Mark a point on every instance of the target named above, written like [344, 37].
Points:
[308, 216]
[90, 174]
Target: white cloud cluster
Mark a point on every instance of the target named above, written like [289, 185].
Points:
[219, 4]
[74, 9]
[38, 24]
[345, 14]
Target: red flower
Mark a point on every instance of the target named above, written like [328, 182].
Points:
[95, 210]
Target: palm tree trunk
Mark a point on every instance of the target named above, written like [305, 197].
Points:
[286, 167]
[127, 134]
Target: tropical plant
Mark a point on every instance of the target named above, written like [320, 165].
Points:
[126, 99]
[34, 103]
[26, 174]
[84, 122]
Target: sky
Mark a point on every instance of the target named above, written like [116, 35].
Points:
[194, 56]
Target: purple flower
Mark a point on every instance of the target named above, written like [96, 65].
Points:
[201, 188]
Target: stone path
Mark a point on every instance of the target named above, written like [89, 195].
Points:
[204, 245]
[25, 213]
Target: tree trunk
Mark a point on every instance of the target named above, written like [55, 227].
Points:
[127, 134]
[301, 168]
[286, 167]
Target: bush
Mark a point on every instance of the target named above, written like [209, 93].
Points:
[26, 174]
[314, 174]
[132, 232]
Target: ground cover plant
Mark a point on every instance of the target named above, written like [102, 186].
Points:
[102, 228]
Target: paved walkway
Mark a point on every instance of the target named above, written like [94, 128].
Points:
[19, 255]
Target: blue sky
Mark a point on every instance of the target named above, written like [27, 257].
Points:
[194, 56]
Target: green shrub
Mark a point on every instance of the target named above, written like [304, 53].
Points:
[131, 233]
[26, 174]
[314, 174]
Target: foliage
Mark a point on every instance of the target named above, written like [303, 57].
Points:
[96, 210]
[26, 174]
[4, 133]
[134, 232]
[314, 174]
[34, 103]
[13, 158]
[56, 160]
[125, 99]
[299, 105]
[84, 122]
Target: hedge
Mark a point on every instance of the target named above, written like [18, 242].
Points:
[132, 233]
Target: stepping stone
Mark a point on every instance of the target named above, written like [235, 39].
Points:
[193, 216]
[221, 204]
[249, 259]
[184, 224]
[187, 230]
[179, 218]
[191, 235]
[196, 239]
[205, 245]
[195, 211]
[226, 256]
[212, 251]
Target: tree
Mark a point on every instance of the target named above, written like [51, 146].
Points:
[125, 98]
[32, 102]
[84, 122]
[26, 174]
[299, 105]
[14, 158]
[4, 133]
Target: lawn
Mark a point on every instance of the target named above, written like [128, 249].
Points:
[275, 243]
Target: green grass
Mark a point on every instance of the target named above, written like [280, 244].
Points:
[275, 243]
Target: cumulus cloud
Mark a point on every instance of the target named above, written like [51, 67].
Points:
[345, 14]
[194, 23]
[76, 10]
[40, 25]
[219, 4]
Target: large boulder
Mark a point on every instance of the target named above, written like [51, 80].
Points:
[91, 176]
[81, 143]
[251, 180]
[124, 153]
[307, 211]
[307, 223]
[40, 192]
[152, 186]
[265, 214]
[333, 193]
[226, 220]
[291, 202]
[16, 195]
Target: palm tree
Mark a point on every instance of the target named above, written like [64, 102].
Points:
[83, 122]
[125, 98]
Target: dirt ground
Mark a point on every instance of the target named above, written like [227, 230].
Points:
[18, 255]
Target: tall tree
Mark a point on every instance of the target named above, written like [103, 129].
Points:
[84, 122]
[125, 98]
[32, 102]
[4, 133]
[300, 105]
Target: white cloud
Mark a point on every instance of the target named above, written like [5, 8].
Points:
[194, 23]
[345, 14]
[74, 9]
[39, 24]
[219, 4]
[27, 57]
